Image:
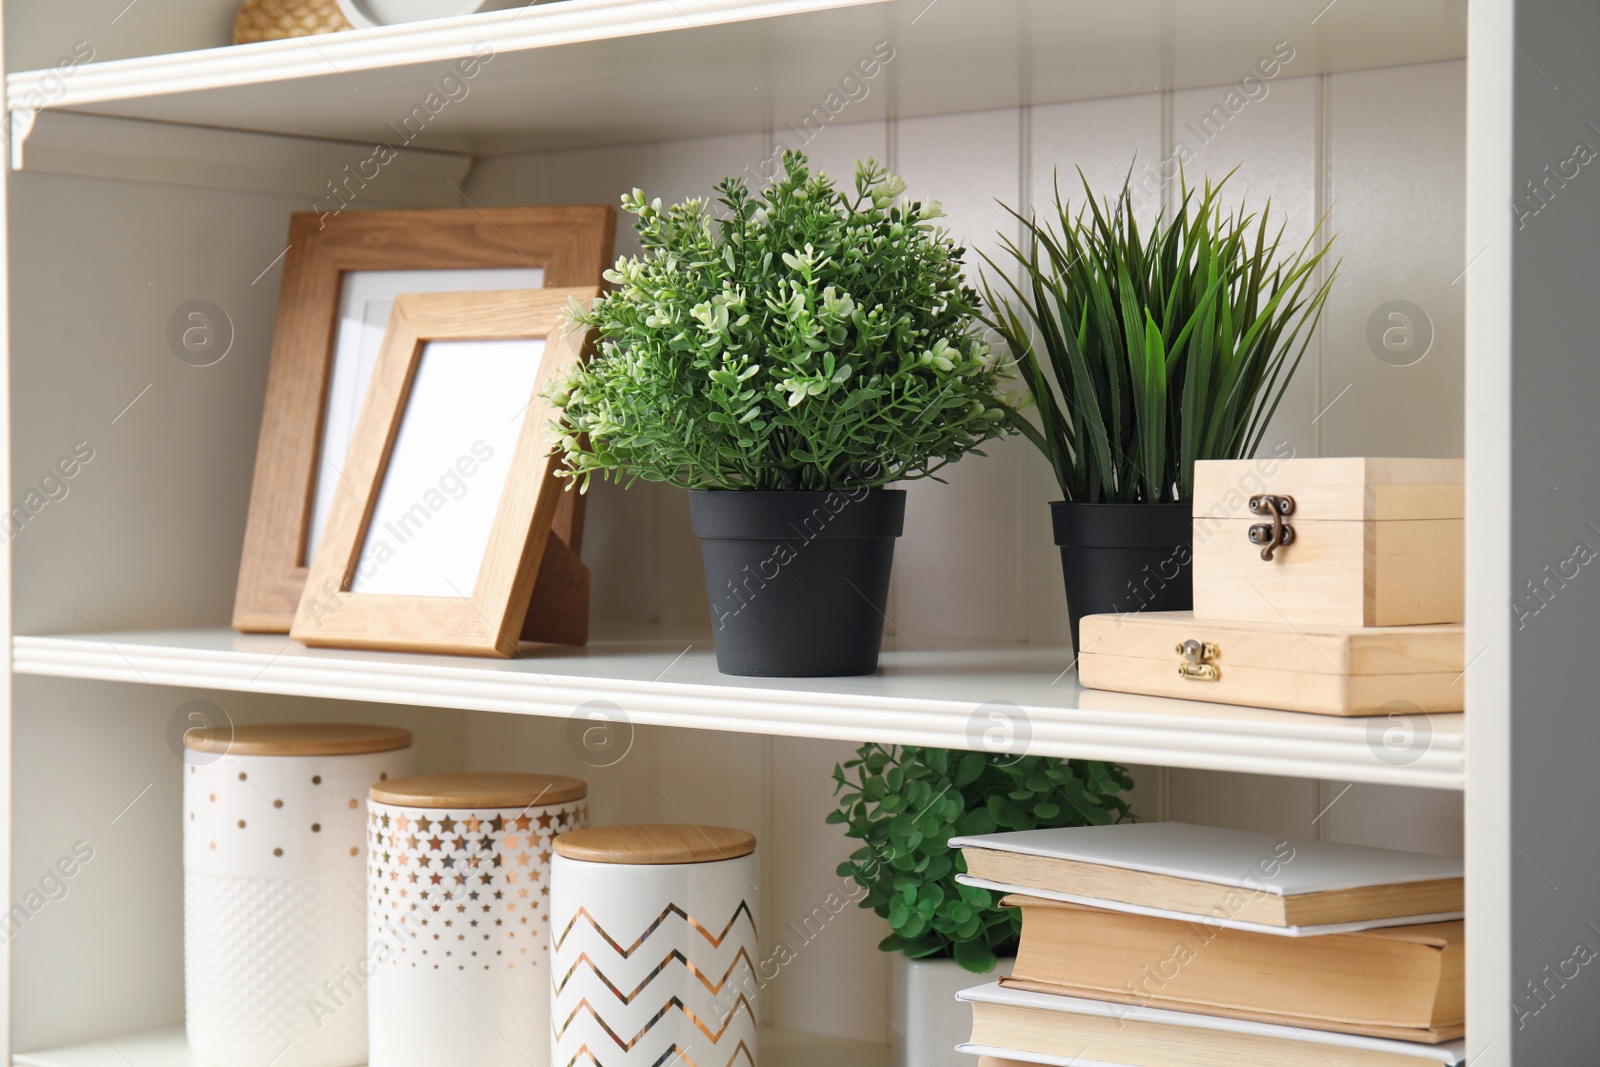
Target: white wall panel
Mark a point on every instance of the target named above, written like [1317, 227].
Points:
[169, 508]
[1423, 820]
[1397, 196]
[836, 148]
[804, 855]
[1271, 146]
[958, 569]
[37, 34]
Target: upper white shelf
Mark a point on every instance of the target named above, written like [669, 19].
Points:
[940, 696]
[591, 72]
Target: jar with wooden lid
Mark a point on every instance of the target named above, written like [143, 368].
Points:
[458, 893]
[274, 864]
[654, 937]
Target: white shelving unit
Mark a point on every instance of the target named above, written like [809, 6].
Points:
[163, 171]
[932, 695]
[605, 72]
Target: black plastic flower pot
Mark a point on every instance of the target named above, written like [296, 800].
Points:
[798, 581]
[1123, 558]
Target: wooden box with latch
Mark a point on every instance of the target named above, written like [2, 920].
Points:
[1337, 542]
[1328, 670]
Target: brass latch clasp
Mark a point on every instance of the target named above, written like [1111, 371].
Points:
[1194, 666]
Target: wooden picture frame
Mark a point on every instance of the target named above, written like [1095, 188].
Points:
[572, 246]
[488, 620]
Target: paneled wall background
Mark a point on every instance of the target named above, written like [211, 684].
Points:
[1378, 155]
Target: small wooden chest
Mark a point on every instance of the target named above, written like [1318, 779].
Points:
[1328, 670]
[1337, 542]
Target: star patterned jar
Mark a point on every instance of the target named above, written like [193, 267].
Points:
[458, 916]
[274, 865]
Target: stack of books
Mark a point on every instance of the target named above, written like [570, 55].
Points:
[1170, 945]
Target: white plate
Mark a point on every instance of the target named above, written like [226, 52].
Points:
[364, 13]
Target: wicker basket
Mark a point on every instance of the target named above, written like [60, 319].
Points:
[273, 20]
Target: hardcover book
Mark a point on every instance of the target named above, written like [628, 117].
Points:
[1230, 878]
[1404, 982]
[1013, 1024]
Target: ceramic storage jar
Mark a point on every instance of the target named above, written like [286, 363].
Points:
[274, 864]
[654, 935]
[458, 894]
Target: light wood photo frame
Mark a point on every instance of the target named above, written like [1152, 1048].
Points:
[567, 246]
[445, 362]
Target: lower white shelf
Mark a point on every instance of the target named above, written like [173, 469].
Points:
[967, 696]
[167, 1048]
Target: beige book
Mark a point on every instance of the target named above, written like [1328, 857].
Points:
[1402, 982]
[1030, 1027]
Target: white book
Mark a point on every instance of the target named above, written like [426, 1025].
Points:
[1232, 858]
[1223, 921]
[1142, 1036]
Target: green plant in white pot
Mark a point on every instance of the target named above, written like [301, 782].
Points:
[1144, 351]
[901, 805]
[784, 362]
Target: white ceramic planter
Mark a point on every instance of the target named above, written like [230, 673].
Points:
[458, 913]
[929, 1022]
[274, 863]
[654, 960]
[364, 13]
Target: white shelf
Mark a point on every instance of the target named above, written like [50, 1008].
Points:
[167, 1048]
[589, 72]
[933, 696]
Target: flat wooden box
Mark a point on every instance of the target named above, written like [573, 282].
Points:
[1326, 670]
[1378, 542]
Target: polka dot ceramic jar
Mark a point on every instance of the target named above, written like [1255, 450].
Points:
[459, 916]
[274, 863]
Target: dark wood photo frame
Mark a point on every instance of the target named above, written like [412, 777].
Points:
[571, 245]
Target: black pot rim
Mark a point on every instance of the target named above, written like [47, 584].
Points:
[797, 514]
[1170, 505]
[1079, 525]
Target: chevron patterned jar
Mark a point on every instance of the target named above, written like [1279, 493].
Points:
[458, 905]
[274, 865]
[654, 940]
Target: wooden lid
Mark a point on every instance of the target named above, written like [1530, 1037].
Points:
[1340, 489]
[655, 844]
[297, 739]
[480, 791]
[1285, 649]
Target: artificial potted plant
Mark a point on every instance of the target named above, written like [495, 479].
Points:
[784, 362]
[1145, 351]
[903, 804]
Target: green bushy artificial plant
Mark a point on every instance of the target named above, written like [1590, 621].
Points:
[808, 339]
